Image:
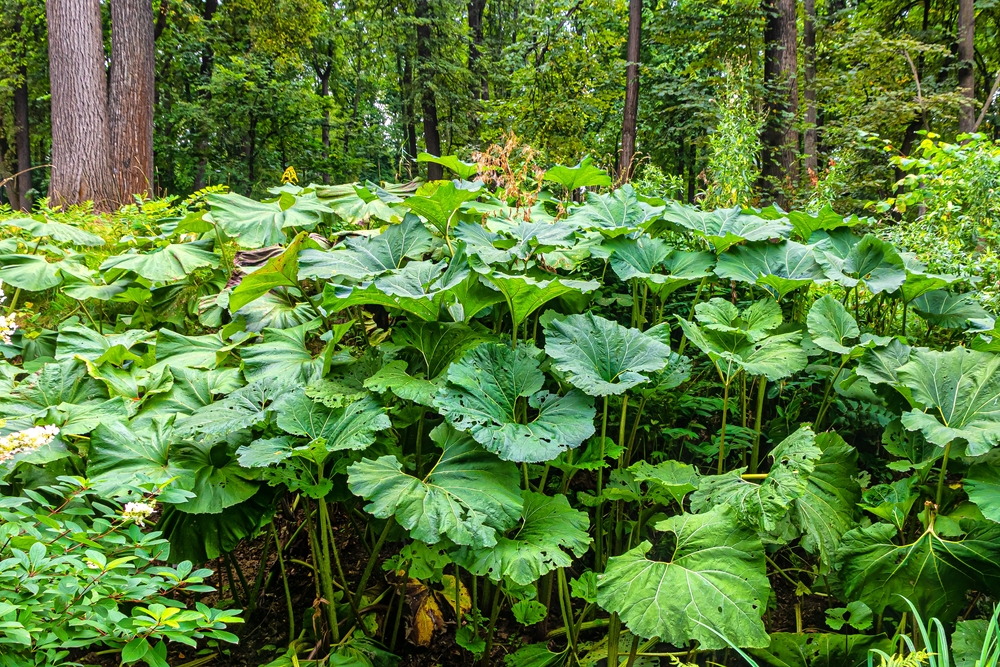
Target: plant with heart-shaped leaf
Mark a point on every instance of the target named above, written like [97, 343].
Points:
[744, 341]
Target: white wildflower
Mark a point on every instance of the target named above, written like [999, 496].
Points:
[7, 323]
[28, 440]
[138, 512]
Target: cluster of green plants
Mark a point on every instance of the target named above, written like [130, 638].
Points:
[640, 430]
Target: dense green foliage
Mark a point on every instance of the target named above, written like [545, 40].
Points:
[648, 427]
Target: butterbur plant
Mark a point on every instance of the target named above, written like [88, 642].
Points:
[79, 576]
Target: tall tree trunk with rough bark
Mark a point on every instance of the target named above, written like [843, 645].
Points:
[22, 141]
[811, 163]
[409, 114]
[780, 140]
[631, 112]
[130, 104]
[81, 163]
[428, 103]
[966, 71]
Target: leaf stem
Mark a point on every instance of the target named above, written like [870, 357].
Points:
[722, 431]
[941, 476]
[755, 455]
[599, 554]
[284, 581]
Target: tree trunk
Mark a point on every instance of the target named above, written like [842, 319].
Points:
[130, 105]
[205, 72]
[410, 113]
[10, 187]
[22, 141]
[631, 112]
[966, 71]
[81, 165]
[809, 44]
[432, 140]
[324, 90]
[780, 62]
[480, 88]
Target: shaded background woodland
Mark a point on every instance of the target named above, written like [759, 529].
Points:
[352, 89]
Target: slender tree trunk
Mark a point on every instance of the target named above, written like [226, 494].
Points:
[205, 73]
[809, 44]
[432, 140]
[480, 87]
[324, 90]
[966, 70]
[780, 140]
[81, 164]
[22, 141]
[133, 71]
[10, 187]
[404, 68]
[631, 112]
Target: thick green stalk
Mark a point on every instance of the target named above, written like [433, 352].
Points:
[494, 614]
[722, 431]
[942, 474]
[420, 444]
[351, 600]
[284, 581]
[755, 456]
[326, 576]
[614, 634]
[825, 405]
[633, 650]
[376, 550]
[566, 606]
[599, 546]
[697, 298]
[635, 427]
[642, 309]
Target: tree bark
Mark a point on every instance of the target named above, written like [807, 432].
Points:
[631, 112]
[780, 140]
[81, 164]
[205, 72]
[480, 89]
[409, 120]
[133, 73]
[966, 70]
[22, 141]
[428, 102]
[809, 44]
[324, 91]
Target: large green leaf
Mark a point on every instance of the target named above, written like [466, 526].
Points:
[439, 201]
[280, 271]
[871, 261]
[281, 308]
[831, 326]
[804, 223]
[783, 267]
[470, 495]
[582, 175]
[960, 386]
[951, 311]
[243, 408]
[881, 364]
[29, 272]
[180, 351]
[602, 357]
[551, 534]
[484, 394]
[827, 507]
[932, 572]
[437, 344]
[191, 390]
[671, 477]
[283, 354]
[350, 427]
[462, 169]
[121, 456]
[614, 214]
[40, 226]
[982, 483]
[50, 386]
[714, 579]
[819, 649]
[724, 227]
[364, 257]
[638, 258]
[252, 223]
[203, 537]
[524, 295]
[171, 262]
[212, 474]
[761, 506]
[75, 340]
